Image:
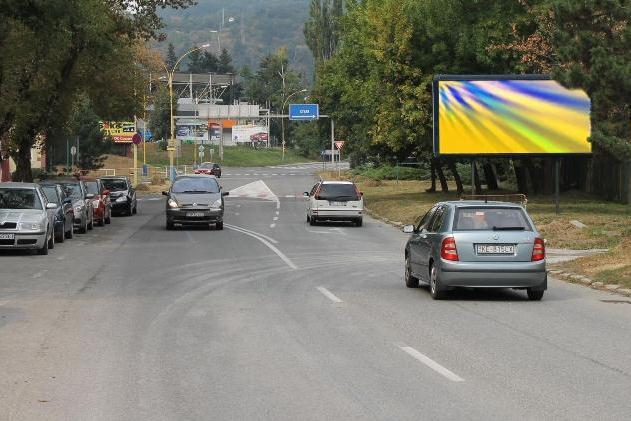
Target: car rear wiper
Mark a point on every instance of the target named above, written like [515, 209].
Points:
[194, 191]
[508, 228]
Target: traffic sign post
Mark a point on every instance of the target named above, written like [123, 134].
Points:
[304, 112]
[136, 139]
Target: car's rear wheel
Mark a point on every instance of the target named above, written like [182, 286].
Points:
[534, 295]
[84, 228]
[410, 280]
[108, 219]
[434, 284]
[170, 225]
[134, 211]
[359, 222]
[308, 218]
[219, 225]
[70, 233]
[102, 220]
[61, 237]
[51, 240]
[43, 251]
[91, 223]
[313, 221]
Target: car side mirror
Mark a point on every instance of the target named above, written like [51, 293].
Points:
[106, 192]
[89, 196]
[225, 193]
[165, 193]
[51, 206]
[306, 194]
[408, 229]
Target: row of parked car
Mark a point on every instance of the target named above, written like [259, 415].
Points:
[38, 215]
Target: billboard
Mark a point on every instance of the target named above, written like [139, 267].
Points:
[197, 130]
[119, 131]
[249, 133]
[509, 115]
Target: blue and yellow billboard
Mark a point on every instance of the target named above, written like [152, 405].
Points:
[504, 116]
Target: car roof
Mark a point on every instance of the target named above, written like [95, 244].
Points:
[17, 185]
[336, 182]
[61, 180]
[195, 176]
[482, 203]
[113, 177]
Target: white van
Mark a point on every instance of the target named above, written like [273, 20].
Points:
[334, 201]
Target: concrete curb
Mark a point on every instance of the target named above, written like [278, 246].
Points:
[574, 278]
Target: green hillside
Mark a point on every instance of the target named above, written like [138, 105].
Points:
[250, 30]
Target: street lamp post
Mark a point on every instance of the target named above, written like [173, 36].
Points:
[170, 74]
[282, 119]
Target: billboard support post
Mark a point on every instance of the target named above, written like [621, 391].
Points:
[557, 181]
[332, 142]
[473, 176]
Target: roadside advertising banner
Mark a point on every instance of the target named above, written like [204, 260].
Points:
[249, 134]
[119, 131]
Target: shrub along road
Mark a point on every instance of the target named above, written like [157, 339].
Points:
[274, 319]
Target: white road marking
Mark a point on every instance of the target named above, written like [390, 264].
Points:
[237, 214]
[4, 302]
[39, 274]
[277, 213]
[270, 239]
[275, 218]
[338, 230]
[272, 225]
[61, 258]
[277, 205]
[269, 245]
[431, 364]
[328, 294]
[319, 232]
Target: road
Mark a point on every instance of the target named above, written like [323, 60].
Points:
[272, 319]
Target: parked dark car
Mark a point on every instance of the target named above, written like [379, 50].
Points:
[195, 200]
[101, 202]
[81, 202]
[64, 214]
[209, 168]
[122, 194]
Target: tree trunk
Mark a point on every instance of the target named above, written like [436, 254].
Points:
[452, 167]
[476, 178]
[441, 176]
[535, 177]
[489, 176]
[22, 158]
[432, 165]
[548, 176]
[522, 179]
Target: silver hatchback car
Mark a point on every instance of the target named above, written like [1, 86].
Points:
[476, 244]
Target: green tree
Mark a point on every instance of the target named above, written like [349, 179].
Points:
[160, 119]
[84, 125]
[171, 58]
[224, 64]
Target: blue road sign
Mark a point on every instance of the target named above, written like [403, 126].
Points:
[304, 111]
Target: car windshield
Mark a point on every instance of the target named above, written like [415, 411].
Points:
[73, 190]
[195, 185]
[114, 184]
[338, 192]
[92, 187]
[492, 219]
[51, 193]
[19, 199]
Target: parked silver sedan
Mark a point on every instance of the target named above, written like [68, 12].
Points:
[26, 218]
[476, 244]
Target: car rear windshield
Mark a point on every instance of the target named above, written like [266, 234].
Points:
[51, 193]
[195, 185]
[19, 199]
[73, 190]
[114, 184]
[338, 192]
[92, 187]
[491, 218]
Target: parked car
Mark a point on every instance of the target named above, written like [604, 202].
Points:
[64, 215]
[209, 168]
[195, 200]
[476, 244]
[27, 219]
[101, 202]
[122, 194]
[335, 201]
[81, 202]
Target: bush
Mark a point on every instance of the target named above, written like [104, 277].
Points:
[388, 172]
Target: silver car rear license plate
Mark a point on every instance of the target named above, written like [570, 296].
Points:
[7, 236]
[338, 203]
[195, 214]
[495, 248]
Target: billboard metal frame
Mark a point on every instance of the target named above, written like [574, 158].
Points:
[475, 78]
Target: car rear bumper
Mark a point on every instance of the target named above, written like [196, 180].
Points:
[337, 214]
[24, 241]
[182, 216]
[494, 274]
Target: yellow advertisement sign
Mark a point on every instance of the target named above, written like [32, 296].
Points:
[119, 131]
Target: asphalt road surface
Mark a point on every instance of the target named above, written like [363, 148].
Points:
[272, 319]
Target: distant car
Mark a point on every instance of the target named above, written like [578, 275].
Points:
[27, 219]
[335, 201]
[259, 137]
[81, 202]
[476, 244]
[209, 168]
[64, 214]
[195, 200]
[122, 194]
[100, 202]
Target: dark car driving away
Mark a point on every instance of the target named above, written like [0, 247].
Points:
[122, 194]
[195, 200]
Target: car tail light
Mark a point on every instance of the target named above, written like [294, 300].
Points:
[538, 250]
[448, 249]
